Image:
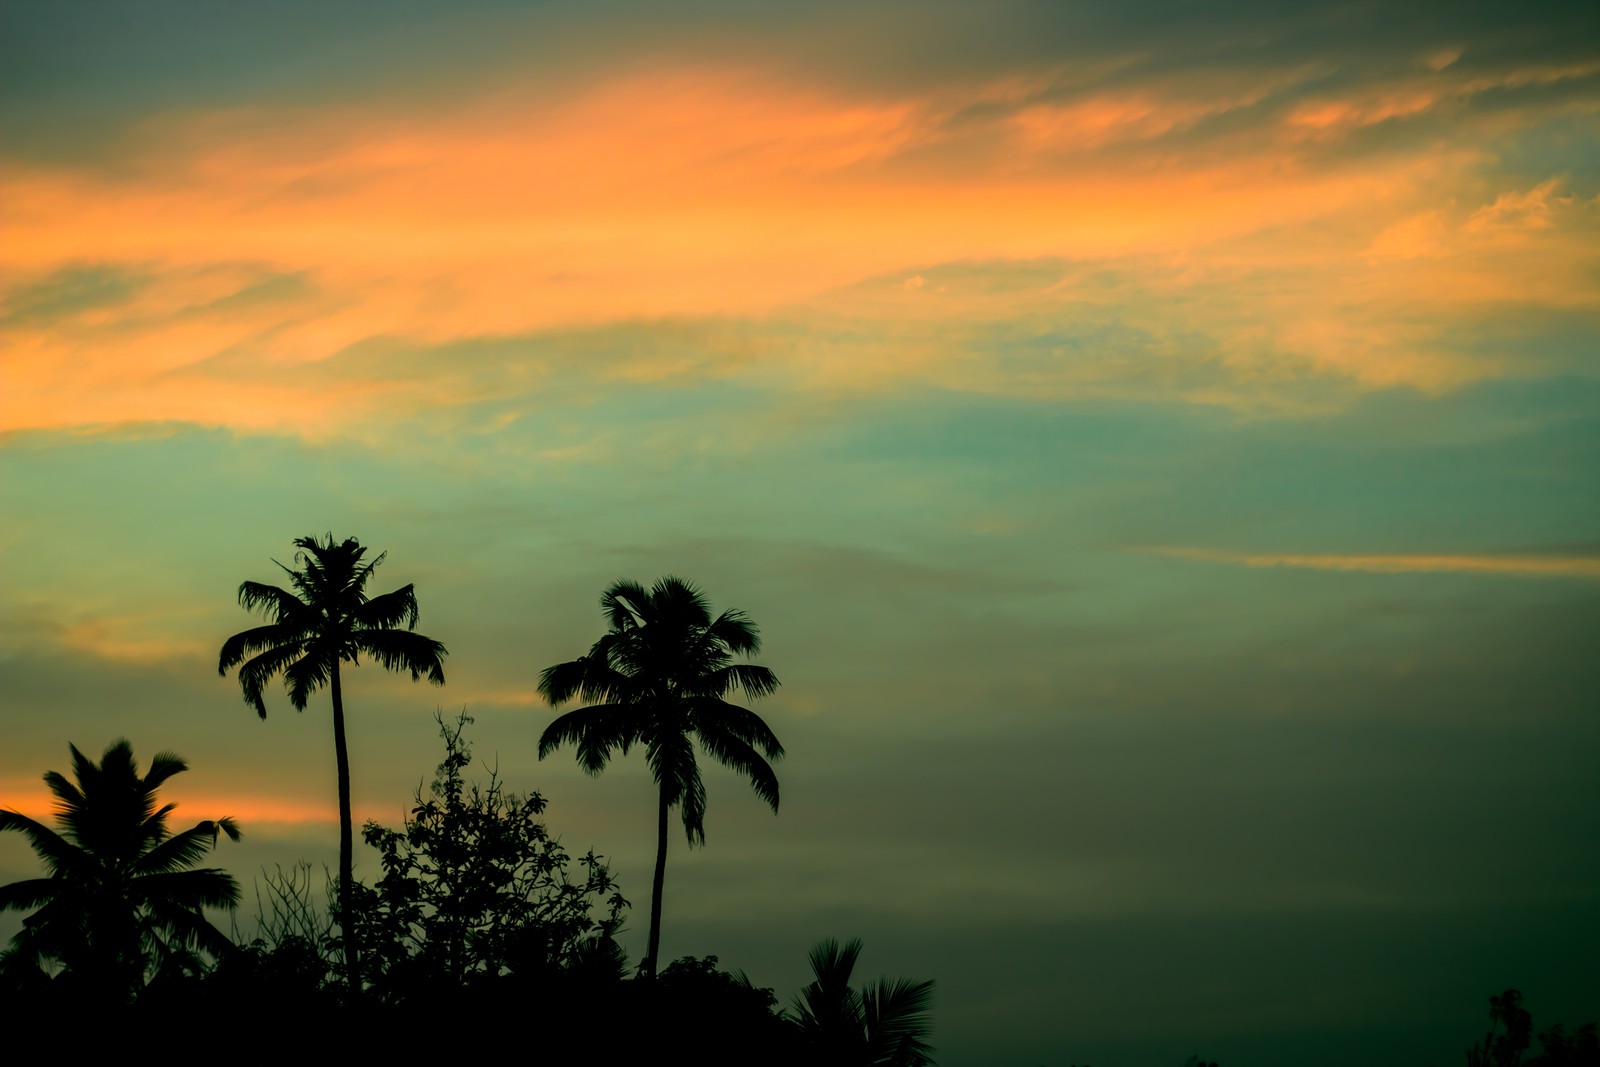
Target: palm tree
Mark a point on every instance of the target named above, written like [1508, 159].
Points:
[882, 1025]
[658, 678]
[122, 899]
[327, 620]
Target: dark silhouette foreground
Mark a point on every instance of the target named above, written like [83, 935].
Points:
[1510, 1033]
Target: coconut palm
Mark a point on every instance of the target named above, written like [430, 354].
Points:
[327, 620]
[123, 899]
[882, 1025]
[658, 678]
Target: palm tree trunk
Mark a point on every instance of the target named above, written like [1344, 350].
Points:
[352, 969]
[661, 877]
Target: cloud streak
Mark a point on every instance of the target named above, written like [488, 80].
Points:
[1528, 566]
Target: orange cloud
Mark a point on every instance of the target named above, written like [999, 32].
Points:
[692, 193]
[38, 804]
[1583, 567]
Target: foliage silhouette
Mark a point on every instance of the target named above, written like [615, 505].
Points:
[886, 1024]
[290, 960]
[328, 619]
[1503, 1049]
[1509, 1035]
[1560, 1049]
[123, 902]
[732, 1022]
[475, 887]
[658, 678]
[288, 910]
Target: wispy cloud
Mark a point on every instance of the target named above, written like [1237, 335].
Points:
[1249, 230]
[1534, 566]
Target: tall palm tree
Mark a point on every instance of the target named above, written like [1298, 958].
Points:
[122, 899]
[658, 678]
[328, 619]
[883, 1025]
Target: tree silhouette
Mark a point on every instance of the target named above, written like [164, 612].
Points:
[882, 1025]
[1504, 1049]
[1510, 1033]
[474, 886]
[122, 900]
[327, 620]
[658, 678]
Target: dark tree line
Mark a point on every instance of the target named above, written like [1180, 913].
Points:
[479, 915]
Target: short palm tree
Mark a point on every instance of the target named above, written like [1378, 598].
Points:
[328, 619]
[658, 678]
[123, 899]
[883, 1025]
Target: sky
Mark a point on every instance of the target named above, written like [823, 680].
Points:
[1160, 444]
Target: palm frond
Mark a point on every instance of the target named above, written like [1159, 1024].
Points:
[596, 731]
[275, 602]
[756, 681]
[737, 632]
[403, 650]
[175, 924]
[833, 963]
[590, 678]
[67, 794]
[255, 674]
[828, 1010]
[670, 755]
[358, 576]
[256, 640]
[30, 893]
[306, 674]
[164, 766]
[680, 603]
[898, 1018]
[388, 611]
[625, 604]
[202, 887]
[738, 721]
[224, 825]
[177, 852]
[732, 752]
[694, 809]
[56, 851]
[561, 682]
[84, 770]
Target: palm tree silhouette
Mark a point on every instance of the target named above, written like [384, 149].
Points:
[657, 678]
[883, 1025]
[327, 620]
[121, 899]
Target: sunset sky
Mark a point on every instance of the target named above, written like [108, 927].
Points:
[1160, 444]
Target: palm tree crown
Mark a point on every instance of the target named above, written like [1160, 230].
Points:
[660, 678]
[328, 619]
[883, 1025]
[122, 898]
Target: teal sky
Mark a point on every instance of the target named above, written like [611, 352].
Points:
[1161, 449]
